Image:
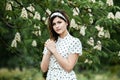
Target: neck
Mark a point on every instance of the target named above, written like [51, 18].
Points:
[64, 34]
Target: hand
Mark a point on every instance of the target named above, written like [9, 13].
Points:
[50, 45]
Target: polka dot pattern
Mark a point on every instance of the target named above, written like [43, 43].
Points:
[65, 46]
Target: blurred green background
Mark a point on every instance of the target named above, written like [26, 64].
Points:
[23, 31]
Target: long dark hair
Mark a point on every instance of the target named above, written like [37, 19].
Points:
[53, 34]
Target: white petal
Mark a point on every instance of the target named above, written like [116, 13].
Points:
[110, 15]
[98, 27]
[8, 6]
[91, 41]
[24, 13]
[73, 24]
[92, 1]
[76, 11]
[82, 30]
[107, 34]
[18, 37]
[117, 15]
[109, 2]
[34, 43]
[37, 16]
[48, 11]
[100, 33]
[31, 8]
[98, 46]
[14, 43]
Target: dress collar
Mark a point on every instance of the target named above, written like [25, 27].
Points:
[67, 36]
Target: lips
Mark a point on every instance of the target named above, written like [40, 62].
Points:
[58, 29]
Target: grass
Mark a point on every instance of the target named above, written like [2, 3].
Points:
[34, 74]
[98, 76]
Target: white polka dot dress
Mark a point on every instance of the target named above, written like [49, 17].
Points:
[65, 46]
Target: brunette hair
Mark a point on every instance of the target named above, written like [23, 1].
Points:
[63, 15]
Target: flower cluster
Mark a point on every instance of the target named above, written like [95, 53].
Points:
[88, 61]
[37, 30]
[9, 5]
[16, 39]
[110, 2]
[102, 32]
[98, 46]
[112, 16]
[34, 43]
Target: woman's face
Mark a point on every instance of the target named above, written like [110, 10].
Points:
[59, 25]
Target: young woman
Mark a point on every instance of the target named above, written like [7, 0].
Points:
[61, 51]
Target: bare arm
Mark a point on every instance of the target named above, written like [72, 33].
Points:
[45, 62]
[66, 63]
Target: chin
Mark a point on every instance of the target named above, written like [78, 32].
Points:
[59, 32]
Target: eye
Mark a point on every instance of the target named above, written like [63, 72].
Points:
[59, 22]
[53, 24]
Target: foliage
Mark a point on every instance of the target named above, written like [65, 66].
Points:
[23, 31]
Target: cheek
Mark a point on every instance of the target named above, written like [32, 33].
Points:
[54, 28]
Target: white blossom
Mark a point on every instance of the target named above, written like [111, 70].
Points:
[62, 1]
[98, 46]
[86, 61]
[46, 21]
[98, 27]
[107, 34]
[76, 11]
[82, 30]
[92, 1]
[34, 43]
[37, 16]
[37, 32]
[119, 53]
[17, 37]
[100, 33]
[117, 15]
[73, 24]
[24, 13]
[110, 15]
[14, 43]
[8, 17]
[89, 10]
[48, 11]
[109, 2]
[31, 8]
[43, 18]
[8, 6]
[91, 19]
[91, 41]
[35, 26]
[90, 62]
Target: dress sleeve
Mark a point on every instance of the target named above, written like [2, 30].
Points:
[75, 47]
[45, 50]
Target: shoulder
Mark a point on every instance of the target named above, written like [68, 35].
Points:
[74, 39]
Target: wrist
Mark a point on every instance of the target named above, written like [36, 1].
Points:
[49, 53]
[54, 51]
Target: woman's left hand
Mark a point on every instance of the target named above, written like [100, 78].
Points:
[50, 45]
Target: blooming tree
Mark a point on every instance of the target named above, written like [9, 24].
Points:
[95, 22]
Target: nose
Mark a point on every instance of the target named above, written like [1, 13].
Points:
[57, 25]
